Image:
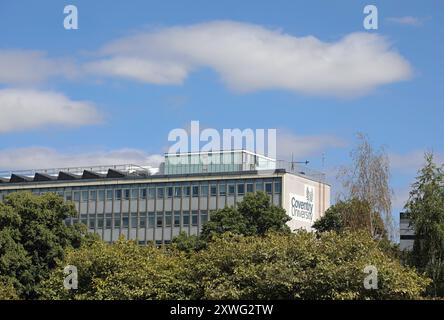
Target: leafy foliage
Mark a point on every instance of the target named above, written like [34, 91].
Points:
[425, 209]
[32, 237]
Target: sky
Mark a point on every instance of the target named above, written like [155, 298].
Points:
[111, 90]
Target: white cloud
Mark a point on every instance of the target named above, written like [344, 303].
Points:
[42, 158]
[304, 145]
[412, 161]
[250, 57]
[406, 20]
[30, 67]
[24, 109]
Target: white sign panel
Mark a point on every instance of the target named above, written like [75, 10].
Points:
[302, 207]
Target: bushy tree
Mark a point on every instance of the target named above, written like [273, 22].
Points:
[425, 208]
[33, 236]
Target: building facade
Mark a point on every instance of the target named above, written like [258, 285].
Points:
[406, 233]
[155, 205]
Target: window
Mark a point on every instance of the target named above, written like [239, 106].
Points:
[194, 218]
[213, 190]
[249, 187]
[126, 194]
[93, 195]
[101, 194]
[92, 222]
[108, 221]
[109, 194]
[177, 218]
[177, 191]
[159, 220]
[100, 222]
[269, 187]
[259, 186]
[133, 220]
[150, 219]
[143, 193]
[160, 192]
[125, 221]
[84, 196]
[222, 189]
[118, 194]
[186, 191]
[204, 191]
[68, 196]
[186, 218]
[168, 219]
[117, 221]
[240, 189]
[277, 187]
[142, 221]
[231, 189]
[151, 193]
[195, 191]
[170, 192]
[134, 193]
[203, 217]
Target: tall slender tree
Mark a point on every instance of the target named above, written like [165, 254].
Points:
[425, 208]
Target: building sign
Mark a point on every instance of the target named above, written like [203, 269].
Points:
[302, 207]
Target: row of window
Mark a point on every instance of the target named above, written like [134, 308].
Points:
[174, 191]
[145, 220]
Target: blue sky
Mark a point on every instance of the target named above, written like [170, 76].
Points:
[126, 117]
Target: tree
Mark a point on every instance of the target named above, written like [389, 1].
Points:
[425, 208]
[122, 271]
[254, 215]
[351, 215]
[300, 265]
[367, 179]
[33, 236]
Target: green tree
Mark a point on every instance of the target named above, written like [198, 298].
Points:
[33, 236]
[353, 215]
[254, 215]
[301, 265]
[425, 208]
[123, 270]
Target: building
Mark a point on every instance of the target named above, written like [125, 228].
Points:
[406, 232]
[155, 204]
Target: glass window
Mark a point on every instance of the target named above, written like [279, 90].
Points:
[84, 195]
[177, 218]
[170, 192]
[108, 222]
[168, 219]
[159, 220]
[150, 219]
[186, 191]
[125, 222]
[118, 194]
[204, 190]
[268, 187]
[101, 194]
[117, 221]
[109, 194]
[134, 193]
[93, 195]
[195, 191]
[213, 190]
[92, 222]
[143, 193]
[100, 222]
[249, 187]
[186, 218]
[231, 189]
[68, 196]
[151, 193]
[160, 192]
[240, 189]
[126, 194]
[76, 196]
[194, 218]
[203, 217]
[277, 187]
[177, 191]
[222, 189]
[259, 186]
[133, 220]
[142, 221]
